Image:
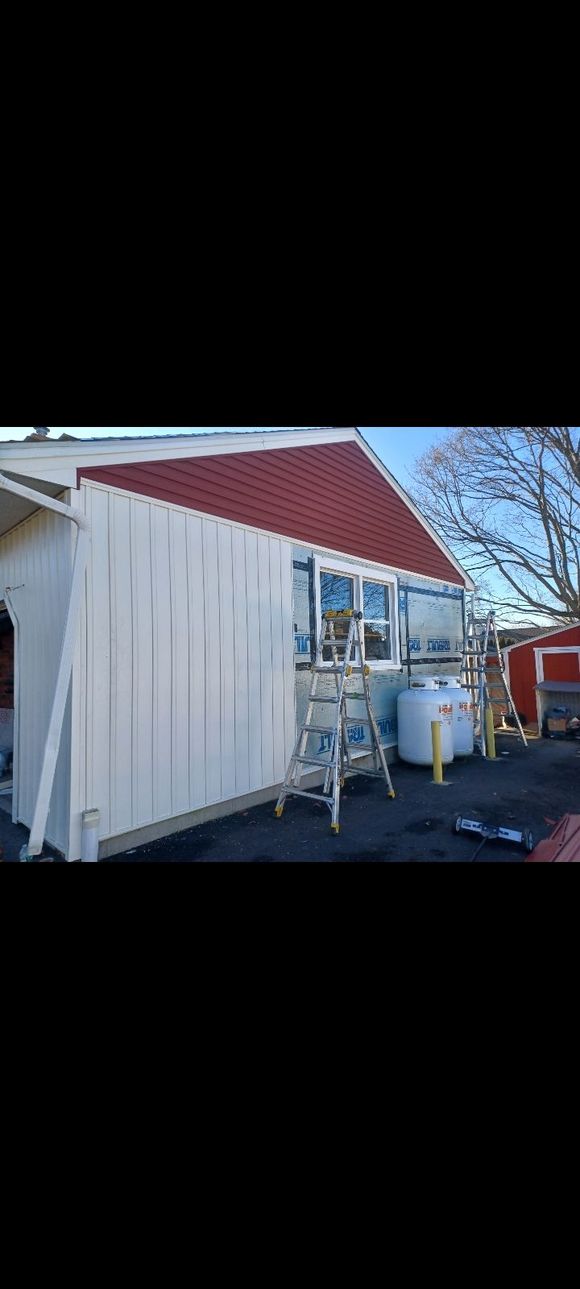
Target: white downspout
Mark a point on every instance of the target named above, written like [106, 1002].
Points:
[9, 602]
[38, 830]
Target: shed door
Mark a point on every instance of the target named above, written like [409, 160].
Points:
[561, 666]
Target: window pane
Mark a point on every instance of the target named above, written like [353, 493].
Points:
[377, 622]
[378, 642]
[336, 595]
[376, 602]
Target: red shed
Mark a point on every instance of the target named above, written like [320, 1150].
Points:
[552, 657]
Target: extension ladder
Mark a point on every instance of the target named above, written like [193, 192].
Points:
[344, 650]
[483, 673]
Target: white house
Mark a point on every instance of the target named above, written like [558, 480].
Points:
[210, 559]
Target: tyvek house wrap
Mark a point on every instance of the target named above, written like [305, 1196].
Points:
[431, 623]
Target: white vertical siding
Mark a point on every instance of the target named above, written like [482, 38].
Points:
[188, 652]
[213, 701]
[99, 653]
[242, 654]
[36, 560]
[121, 620]
[266, 660]
[163, 768]
[180, 670]
[196, 663]
[252, 596]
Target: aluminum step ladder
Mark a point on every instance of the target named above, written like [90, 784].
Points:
[345, 650]
[483, 673]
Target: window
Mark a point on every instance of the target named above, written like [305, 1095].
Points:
[336, 595]
[377, 611]
[344, 586]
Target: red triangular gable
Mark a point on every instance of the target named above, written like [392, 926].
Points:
[329, 496]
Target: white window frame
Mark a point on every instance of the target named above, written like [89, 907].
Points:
[361, 573]
[541, 653]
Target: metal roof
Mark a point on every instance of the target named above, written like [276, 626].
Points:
[559, 687]
[550, 631]
[152, 438]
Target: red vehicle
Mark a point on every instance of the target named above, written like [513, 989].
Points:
[563, 847]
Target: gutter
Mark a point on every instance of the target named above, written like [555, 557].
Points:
[53, 738]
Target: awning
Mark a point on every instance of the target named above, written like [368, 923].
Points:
[558, 687]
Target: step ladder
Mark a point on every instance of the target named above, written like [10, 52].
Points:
[483, 673]
[347, 655]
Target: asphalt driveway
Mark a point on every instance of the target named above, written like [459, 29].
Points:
[522, 789]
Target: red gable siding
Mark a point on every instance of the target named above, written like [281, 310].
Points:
[330, 496]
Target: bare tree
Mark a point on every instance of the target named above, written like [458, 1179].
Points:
[507, 500]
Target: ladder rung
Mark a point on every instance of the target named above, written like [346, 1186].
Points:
[319, 729]
[362, 747]
[486, 671]
[368, 774]
[358, 720]
[309, 796]
[477, 688]
[325, 669]
[315, 699]
[313, 760]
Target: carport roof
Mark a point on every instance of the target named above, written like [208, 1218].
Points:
[14, 510]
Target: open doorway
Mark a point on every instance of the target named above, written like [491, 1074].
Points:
[7, 670]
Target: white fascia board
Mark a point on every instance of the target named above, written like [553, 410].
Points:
[549, 635]
[58, 462]
[390, 478]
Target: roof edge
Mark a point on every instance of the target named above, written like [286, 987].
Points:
[67, 446]
[553, 631]
[404, 496]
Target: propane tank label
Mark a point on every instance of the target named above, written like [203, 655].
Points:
[446, 709]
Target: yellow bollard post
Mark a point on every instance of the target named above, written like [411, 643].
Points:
[437, 752]
[490, 734]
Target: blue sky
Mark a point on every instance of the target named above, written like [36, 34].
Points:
[398, 446]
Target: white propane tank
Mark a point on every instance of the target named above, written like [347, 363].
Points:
[463, 714]
[417, 708]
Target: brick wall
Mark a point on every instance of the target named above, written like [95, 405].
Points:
[6, 669]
